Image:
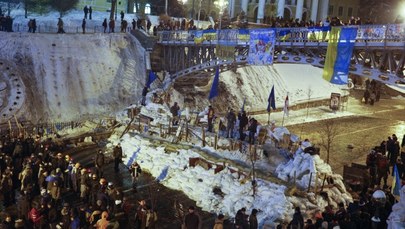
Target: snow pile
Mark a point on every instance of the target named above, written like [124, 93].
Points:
[308, 168]
[198, 183]
[159, 113]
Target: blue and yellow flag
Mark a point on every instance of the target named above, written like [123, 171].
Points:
[396, 183]
[198, 36]
[339, 54]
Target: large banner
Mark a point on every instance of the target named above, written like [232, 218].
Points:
[338, 55]
[261, 46]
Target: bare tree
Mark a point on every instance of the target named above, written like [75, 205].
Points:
[328, 133]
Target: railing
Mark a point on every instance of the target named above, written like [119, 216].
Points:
[68, 29]
[365, 33]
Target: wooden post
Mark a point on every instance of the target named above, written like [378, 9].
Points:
[186, 129]
[203, 137]
[309, 184]
[170, 128]
[295, 177]
[323, 182]
[216, 142]
[316, 185]
[139, 124]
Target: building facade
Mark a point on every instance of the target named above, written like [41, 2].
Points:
[258, 10]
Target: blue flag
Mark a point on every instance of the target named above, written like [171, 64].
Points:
[271, 100]
[163, 174]
[215, 83]
[152, 76]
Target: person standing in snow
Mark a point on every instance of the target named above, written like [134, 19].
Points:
[135, 171]
[144, 93]
[105, 24]
[210, 117]
[231, 119]
[175, 113]
[84, 25]
[117, 154]
[133, 24]
[243, 121]
[60, 26]
[90, 12]
[252, 130]
[122, 15]
[111, 25]
[86, 11]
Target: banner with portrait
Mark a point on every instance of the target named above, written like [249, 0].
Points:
[261, 46]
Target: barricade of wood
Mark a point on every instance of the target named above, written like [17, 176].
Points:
[355, 175]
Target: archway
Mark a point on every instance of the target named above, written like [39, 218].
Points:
[305, 16]
[287, 14]
[255, 13]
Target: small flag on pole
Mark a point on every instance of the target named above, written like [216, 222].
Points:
[271, 100]
[286, 104]
[152, 77]
[396, 183]
[214, 86]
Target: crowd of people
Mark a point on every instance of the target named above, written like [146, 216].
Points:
[38, 178]
[6, 23]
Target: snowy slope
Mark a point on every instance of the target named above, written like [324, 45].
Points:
[74, 74]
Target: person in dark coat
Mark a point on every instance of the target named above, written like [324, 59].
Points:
[117, 154]
[210, 115]
[84, 25]
[231, 119]
[86, 11]
[252, 130]
[90, 12]
[99, 162]
[175, 113]
[253, 224]
[243, 121]
[191, 220]
[122, 15]
[111, 25]
[241, 219]
[105, 24]
[144, 93]
[298, 220]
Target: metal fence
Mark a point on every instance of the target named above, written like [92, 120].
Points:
[54, 29]
[369, 33]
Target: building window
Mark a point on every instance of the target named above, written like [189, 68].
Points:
[139, 6]
[330, 11]
[340, 13]
[350, 11]
[147, 8]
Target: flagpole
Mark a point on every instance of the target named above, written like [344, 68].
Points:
[268, 118]
[282, 122]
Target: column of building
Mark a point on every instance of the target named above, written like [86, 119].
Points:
[260, 11]
[299, 9]
[314, 10]
[324, 9]
[244, 6]
[280, 8]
